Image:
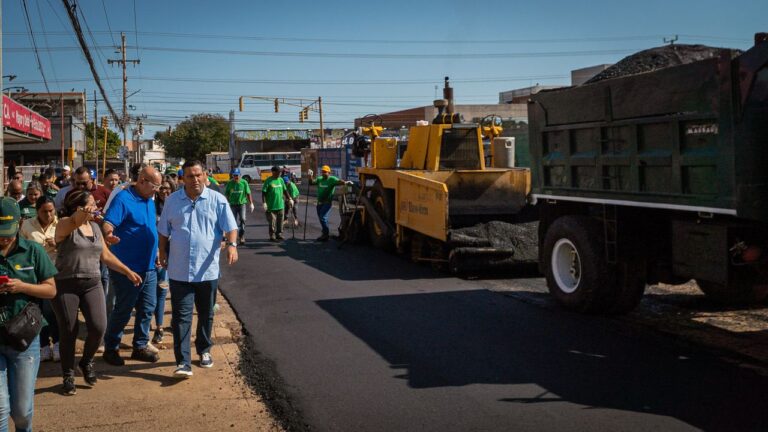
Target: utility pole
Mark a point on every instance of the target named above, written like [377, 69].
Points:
[2, 149]
[124, 121]
[95, 134]
[322, 129]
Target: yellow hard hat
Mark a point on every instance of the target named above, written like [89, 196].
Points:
[325, 168]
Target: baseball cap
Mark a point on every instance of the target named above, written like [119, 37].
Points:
[325, 168]
[9, 217]
[180, 173]
[235, 171]
[66, 168]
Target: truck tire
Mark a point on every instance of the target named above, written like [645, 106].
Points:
[630, 282]
[247, 179]
[384, 203]
[574, 265]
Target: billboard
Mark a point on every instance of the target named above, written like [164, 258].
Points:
[20, 118]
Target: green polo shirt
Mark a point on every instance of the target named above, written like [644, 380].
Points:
[29, 263]
[273, 190]
[28, 210]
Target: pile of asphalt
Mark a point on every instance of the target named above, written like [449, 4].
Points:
[521, 239]
[659, 58]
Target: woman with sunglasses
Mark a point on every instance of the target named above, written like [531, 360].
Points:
[81, 247]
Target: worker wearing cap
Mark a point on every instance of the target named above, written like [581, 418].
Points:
[65, 178]
[274, 195]
[326, 187]
[28, 274]
[238, 193]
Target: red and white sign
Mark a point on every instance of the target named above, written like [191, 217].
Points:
[18, 117]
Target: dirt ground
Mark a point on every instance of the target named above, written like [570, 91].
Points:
[738, 334]
[140, 396]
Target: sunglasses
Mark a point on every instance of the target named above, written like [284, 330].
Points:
[81, 183]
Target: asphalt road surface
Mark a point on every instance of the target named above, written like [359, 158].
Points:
[366, 341]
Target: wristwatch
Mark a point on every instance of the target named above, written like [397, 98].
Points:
[233, 244]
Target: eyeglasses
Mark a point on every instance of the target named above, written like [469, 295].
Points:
[81, 183]
[164, 188]
[154, 186]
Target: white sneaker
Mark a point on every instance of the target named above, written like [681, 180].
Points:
[206, 360]
[153, 349]
[46, 354]
[56, 356]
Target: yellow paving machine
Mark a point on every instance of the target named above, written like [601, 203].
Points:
[441, 203]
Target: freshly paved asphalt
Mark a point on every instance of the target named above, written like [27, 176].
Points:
[367, 341]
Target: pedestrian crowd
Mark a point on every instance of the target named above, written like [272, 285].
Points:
[69, 245]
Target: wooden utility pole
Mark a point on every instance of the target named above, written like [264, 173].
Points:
[322, 129]
[124, 121]
[95, 135]
[104, 124]
[61, 122]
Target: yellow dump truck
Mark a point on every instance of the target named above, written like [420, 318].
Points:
[441, 203]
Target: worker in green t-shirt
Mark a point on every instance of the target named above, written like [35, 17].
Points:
[274, 195]
[238, 193]
[326, 187]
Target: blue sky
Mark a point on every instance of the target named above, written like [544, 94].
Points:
[360, 57]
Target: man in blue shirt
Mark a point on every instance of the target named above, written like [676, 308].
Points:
[131, 230]
[196, 219]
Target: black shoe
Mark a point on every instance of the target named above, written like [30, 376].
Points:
[68, 387]
[272, 239]
[113, 357]
[86, 367]
[144, 355]
[158, 337]
[279, 237]
[323, 238]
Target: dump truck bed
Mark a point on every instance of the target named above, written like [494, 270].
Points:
[690, 137]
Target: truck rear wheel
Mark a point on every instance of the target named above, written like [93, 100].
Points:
[577, 275]
[383, 203]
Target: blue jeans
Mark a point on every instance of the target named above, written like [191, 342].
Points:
[323, 210]
[128, 297]
[18, 373]
[51, 331]
[239, 212]
[162, 276]
[185, 295]
[109, 294]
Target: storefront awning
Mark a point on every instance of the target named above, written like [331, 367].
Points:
[22, 125]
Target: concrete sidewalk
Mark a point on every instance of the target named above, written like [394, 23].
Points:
[142, 396]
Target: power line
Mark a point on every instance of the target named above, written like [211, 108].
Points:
[87, 53]
[366, 55]
[45, 38]
[34, 44]
[106, 15]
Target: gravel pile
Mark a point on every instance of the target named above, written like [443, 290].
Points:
[520, 239]
[660, 58]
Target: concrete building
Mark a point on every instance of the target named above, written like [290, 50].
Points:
[67, 129]
[471, 113]
[521, 95]
[580, 76]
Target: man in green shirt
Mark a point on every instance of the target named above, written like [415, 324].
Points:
[326, 187]
[238, 193]
[274, 195]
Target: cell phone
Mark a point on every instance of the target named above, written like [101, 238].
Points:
[4, 280]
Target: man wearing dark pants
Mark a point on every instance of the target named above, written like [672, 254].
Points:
[326, 187]
[274, 195]
[130, 228]
[238, 193]
[195, 217]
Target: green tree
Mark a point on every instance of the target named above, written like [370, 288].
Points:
[113, 142]
[195, 137]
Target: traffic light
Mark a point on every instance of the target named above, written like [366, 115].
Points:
[104, 122]
[70, 154]
[301, 116]
[277, 105]
[305, 113]
[241, 104]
